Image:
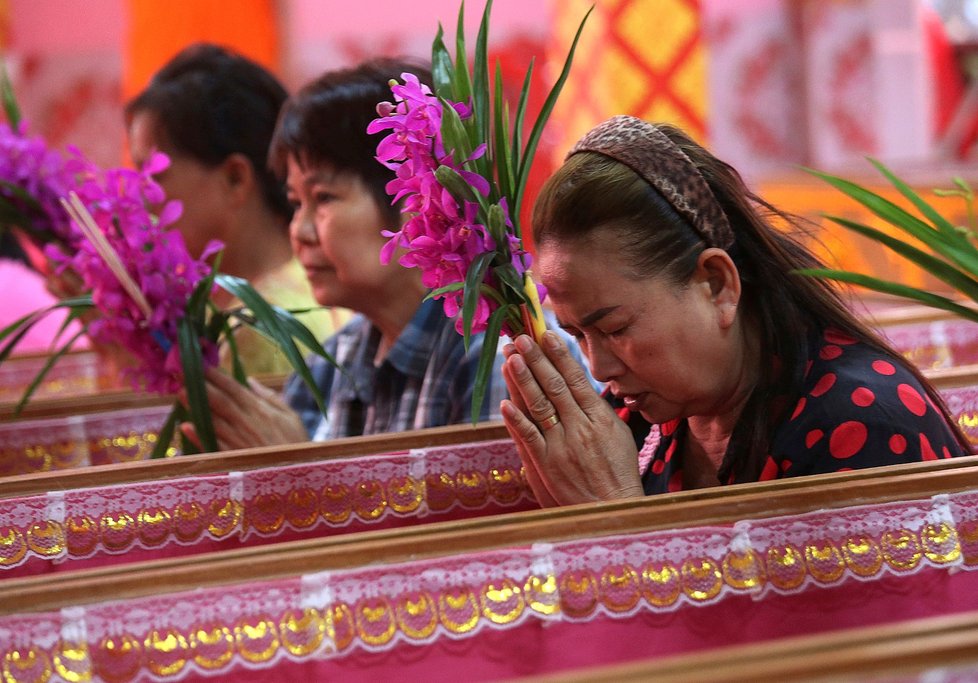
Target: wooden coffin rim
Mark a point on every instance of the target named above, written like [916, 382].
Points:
[102, 402]
[245, 459]
[847, 654]
[252, 458]
[702, 507]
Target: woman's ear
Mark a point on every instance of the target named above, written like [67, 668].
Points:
[717, 269]
[239, 178]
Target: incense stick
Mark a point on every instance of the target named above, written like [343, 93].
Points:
[80, 215]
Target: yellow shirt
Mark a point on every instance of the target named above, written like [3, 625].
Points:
[286, 287]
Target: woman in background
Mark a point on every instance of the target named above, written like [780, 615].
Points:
[213, 113]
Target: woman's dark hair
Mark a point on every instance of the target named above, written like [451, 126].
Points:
[786, 308]
[210, 103]
[326, 123]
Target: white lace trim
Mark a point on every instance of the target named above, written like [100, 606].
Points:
[331, 614]
[352, 493]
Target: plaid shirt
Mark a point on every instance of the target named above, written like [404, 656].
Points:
[426, 380]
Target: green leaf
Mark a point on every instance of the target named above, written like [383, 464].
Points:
[480, 77]
[39, 377]
[460, 190]
[516, 147]
[192, 361]
[453, 134]
[52, 359]
[548, 105]
[303, 334]
[510, 278]
[454, 287]
[474, 278]
[441, 66]
[960, 280]
[497, 224]
[463, 82]
[904, 291]
[487, 358]
[10, 107]
[165, 436]
[16, 330]
[501, 153]
[964, 255]
[267, 317]
[925, 209]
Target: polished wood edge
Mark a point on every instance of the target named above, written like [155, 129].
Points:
[439, 539]
[849, 654]
[101, 402]
[246, 459]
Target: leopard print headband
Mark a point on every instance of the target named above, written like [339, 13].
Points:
[646, 150]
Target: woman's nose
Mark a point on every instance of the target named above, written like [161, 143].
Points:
[605, 365]
[302, 226]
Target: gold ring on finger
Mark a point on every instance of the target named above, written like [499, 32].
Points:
[549, 422]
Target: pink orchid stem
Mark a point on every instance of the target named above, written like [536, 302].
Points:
[79, 213]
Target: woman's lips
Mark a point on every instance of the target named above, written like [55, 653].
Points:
[634, 401]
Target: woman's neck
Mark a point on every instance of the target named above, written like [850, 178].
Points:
[393, 310]
[259, 245]
[709, 435]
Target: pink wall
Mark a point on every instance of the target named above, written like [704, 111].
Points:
[324, 34]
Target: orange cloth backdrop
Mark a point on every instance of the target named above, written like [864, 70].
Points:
[4, 24]
[158, 29]
[640, 57]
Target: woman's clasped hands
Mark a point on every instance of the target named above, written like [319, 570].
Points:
[574, 447]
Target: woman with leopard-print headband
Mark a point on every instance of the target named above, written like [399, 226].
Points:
[683, 294]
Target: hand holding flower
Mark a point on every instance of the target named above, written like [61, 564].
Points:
[246, 417]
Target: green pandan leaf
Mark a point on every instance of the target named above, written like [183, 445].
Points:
[272, 323]
[192, 361]
[960, 280]
[548, 106]
[441, 65]
[487, 359]
[10, 107]
[474, 278]
[925, 209]
[165, 436]
[897, 289]
[43, 372]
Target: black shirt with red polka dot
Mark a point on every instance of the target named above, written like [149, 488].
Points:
[858, 408]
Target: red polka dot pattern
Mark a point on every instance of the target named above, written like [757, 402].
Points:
[847, 439]
[823, 384]
[670, 451]
[813, 437]
[912, 399]
[844, 416]
[675, 482]
[884, 368]
[926, 450]
[770, 470]
[830, 352]
[798, 408]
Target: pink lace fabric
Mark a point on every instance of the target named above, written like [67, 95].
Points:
[40, 445]
[962, 403]
[75, 374]
[121, 523]
[936, 344]
[532, 609]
